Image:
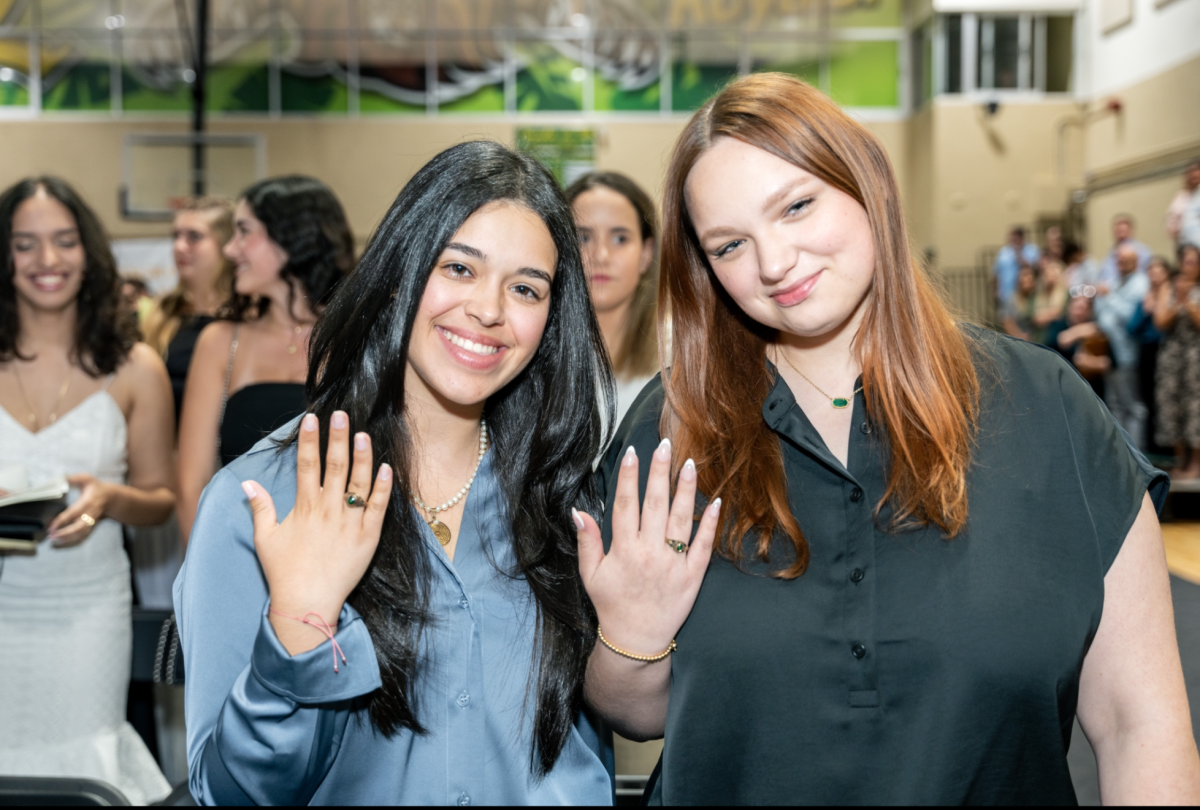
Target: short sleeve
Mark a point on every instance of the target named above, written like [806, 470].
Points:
[1112, 473]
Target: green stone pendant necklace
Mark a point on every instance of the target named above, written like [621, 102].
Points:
[837, 402]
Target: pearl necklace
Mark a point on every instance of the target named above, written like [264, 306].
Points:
[441, 530]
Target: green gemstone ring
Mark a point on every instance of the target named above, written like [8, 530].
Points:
[678, 546]
[356, 501]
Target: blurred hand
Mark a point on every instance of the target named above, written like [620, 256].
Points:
[316, 557]
[642, 589]
[69, 527]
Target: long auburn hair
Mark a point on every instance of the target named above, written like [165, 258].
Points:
[546, 427]
[918, 373]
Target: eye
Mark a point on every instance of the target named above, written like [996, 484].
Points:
[725, 249]
[457, 269]
[621, 239]
[799, 205]
[584, 238]
[22, 246]
[527, 292]
[67, 244]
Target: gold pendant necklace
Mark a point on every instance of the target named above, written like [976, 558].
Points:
[837, 402]
[440, 530]
[62, 392]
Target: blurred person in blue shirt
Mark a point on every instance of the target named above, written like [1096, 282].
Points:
[1122, 231]
[1008, 263]
[1115, 305]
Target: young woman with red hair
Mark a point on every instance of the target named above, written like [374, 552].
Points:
[933, 545]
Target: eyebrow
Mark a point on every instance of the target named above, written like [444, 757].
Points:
[533, 272]
[62, 232]
[781, 194]
[467, 249]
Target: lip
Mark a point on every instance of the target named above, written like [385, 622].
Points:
[465, 357]
[600, 278]
[796, 293]
[49, 282]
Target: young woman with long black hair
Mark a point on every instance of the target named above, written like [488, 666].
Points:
[422, 639]
[931, 545]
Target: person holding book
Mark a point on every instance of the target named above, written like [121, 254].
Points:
[80, 399]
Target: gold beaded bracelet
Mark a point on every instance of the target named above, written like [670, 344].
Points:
[646, 659]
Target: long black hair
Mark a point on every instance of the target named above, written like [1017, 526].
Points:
[305, 218]
[104, 333]
[546, 427]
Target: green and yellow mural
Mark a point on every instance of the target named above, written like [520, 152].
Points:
[415, 57]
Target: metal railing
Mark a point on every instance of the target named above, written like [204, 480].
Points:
[969, 293]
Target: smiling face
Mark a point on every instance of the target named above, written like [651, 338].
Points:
[257, 256]
[47, 254]
[795, 253]
[484, 307]
[614, 254]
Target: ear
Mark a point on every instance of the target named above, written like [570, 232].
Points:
[647, 255]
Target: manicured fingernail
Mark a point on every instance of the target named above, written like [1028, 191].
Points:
[688, 473]
[309, 423]
[715, 506]
[360, 441]
[385, 472]
[630, 457]
[578, 520]
[339, 420]
[663, 452]
[249, 489]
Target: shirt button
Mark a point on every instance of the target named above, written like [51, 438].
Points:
[464, 800]
[463, 603]
[865, 427]
[858, 651]
[856, 494]
[463, 700]
[857, 575]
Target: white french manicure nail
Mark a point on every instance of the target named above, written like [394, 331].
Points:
[688, 473]
[249, 489]
[715, 506]
[630, 457]
[664, 449]
[579, 524]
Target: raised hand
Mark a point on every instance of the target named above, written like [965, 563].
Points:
[318, 554]
[643, 589]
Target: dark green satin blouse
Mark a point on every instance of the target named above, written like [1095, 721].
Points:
[906, 668]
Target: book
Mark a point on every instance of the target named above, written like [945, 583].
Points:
[27, 513]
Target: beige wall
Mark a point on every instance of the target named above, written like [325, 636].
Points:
[983, 174]
[1159, 117]
[365, 161]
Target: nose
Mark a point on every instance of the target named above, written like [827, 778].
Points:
[775, 258]
[485, 304]
[230, 250]
[48, 255]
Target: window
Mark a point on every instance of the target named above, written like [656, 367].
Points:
[1009, 52]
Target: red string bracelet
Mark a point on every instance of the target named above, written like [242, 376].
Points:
[323, 627]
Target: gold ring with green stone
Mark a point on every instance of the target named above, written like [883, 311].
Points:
[678, 546]
[356, 501]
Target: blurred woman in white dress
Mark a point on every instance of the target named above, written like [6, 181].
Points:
[80, 399]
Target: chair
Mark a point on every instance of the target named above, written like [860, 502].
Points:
[56, 791]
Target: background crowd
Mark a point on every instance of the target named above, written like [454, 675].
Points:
[1130, 322]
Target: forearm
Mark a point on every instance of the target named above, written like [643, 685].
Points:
[135, 506]
[1155, 763]
[190, 489]
[630, 695]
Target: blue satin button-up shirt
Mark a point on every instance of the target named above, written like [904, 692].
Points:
[268, 728]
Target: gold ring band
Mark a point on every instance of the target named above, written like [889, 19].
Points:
[88, 519]
[678, 546]
[357, 501]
